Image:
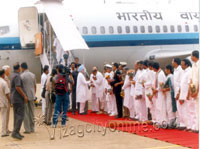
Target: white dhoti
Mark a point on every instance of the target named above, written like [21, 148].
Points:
[95, 103]
[161, 109]
[191, 114]
[182, 113]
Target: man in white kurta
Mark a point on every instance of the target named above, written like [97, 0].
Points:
[139, 93]
[149, 83]
[128, 102]
[194, 80]
[82, 91]
[178, 71]
[161, 118]
[184, 94]
[97, 88]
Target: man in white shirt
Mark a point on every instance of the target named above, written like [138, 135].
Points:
[178, 71]
[97, 88]
[161, 118]
[184, 94]
[110, 97]
[43, 86]
[4, 102]
[194, 81]
[7, 70]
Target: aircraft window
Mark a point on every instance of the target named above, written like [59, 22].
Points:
[4, 30]
[150, 29]
[142, 29]
[127, 29]
[119, 29]
[157, 29]
[85, 30]
[135, 29]
[179, 28]
[102, 30]
[165, 28]
[172, 28]
[94, 30]
[111, 30]
[187, 29]
[196, 28]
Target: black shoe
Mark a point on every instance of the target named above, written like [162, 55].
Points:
[5, 135]
[73, 113]
[16, 136]
[84, 113]
[27, 132]
[21, 135]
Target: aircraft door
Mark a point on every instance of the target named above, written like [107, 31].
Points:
[28, 26]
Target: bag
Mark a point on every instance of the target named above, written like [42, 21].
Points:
[44, 90]
[60, 86]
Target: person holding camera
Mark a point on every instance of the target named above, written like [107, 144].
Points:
[63, 79]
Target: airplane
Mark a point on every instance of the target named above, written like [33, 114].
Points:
[115, 33]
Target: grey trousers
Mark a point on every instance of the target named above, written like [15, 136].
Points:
[3, 113]
[29, 124]
[49, 108]
[18, 109]
[8, 117]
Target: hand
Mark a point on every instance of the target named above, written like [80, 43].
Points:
[177, 96]
[181, 102]
[26, 99]
[133, 82]
[92, 85]
[116, 84]
[95, 78]
[194, 95]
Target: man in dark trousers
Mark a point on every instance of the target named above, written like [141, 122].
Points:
[74, 75]
[117, 86]
[18, 99]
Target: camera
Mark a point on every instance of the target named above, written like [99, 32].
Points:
[66, 70]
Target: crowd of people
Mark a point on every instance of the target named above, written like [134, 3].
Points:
[169, 98]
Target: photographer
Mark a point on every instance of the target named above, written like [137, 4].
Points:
[63, 79]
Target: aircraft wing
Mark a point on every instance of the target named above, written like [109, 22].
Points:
[66, 31]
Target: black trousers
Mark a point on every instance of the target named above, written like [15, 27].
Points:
[74, 101]
[119, 102]
[18, 109]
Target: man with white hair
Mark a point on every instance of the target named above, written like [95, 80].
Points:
[7, 70]
[97, 85]
[82, 94]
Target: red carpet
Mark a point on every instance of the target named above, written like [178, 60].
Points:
[174, 136]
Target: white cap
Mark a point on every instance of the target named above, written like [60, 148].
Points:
[108, 65]
[123, 63]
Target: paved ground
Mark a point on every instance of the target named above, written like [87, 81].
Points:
[76, 136]
[79, 135]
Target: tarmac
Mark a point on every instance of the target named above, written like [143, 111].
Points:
[76, 136]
